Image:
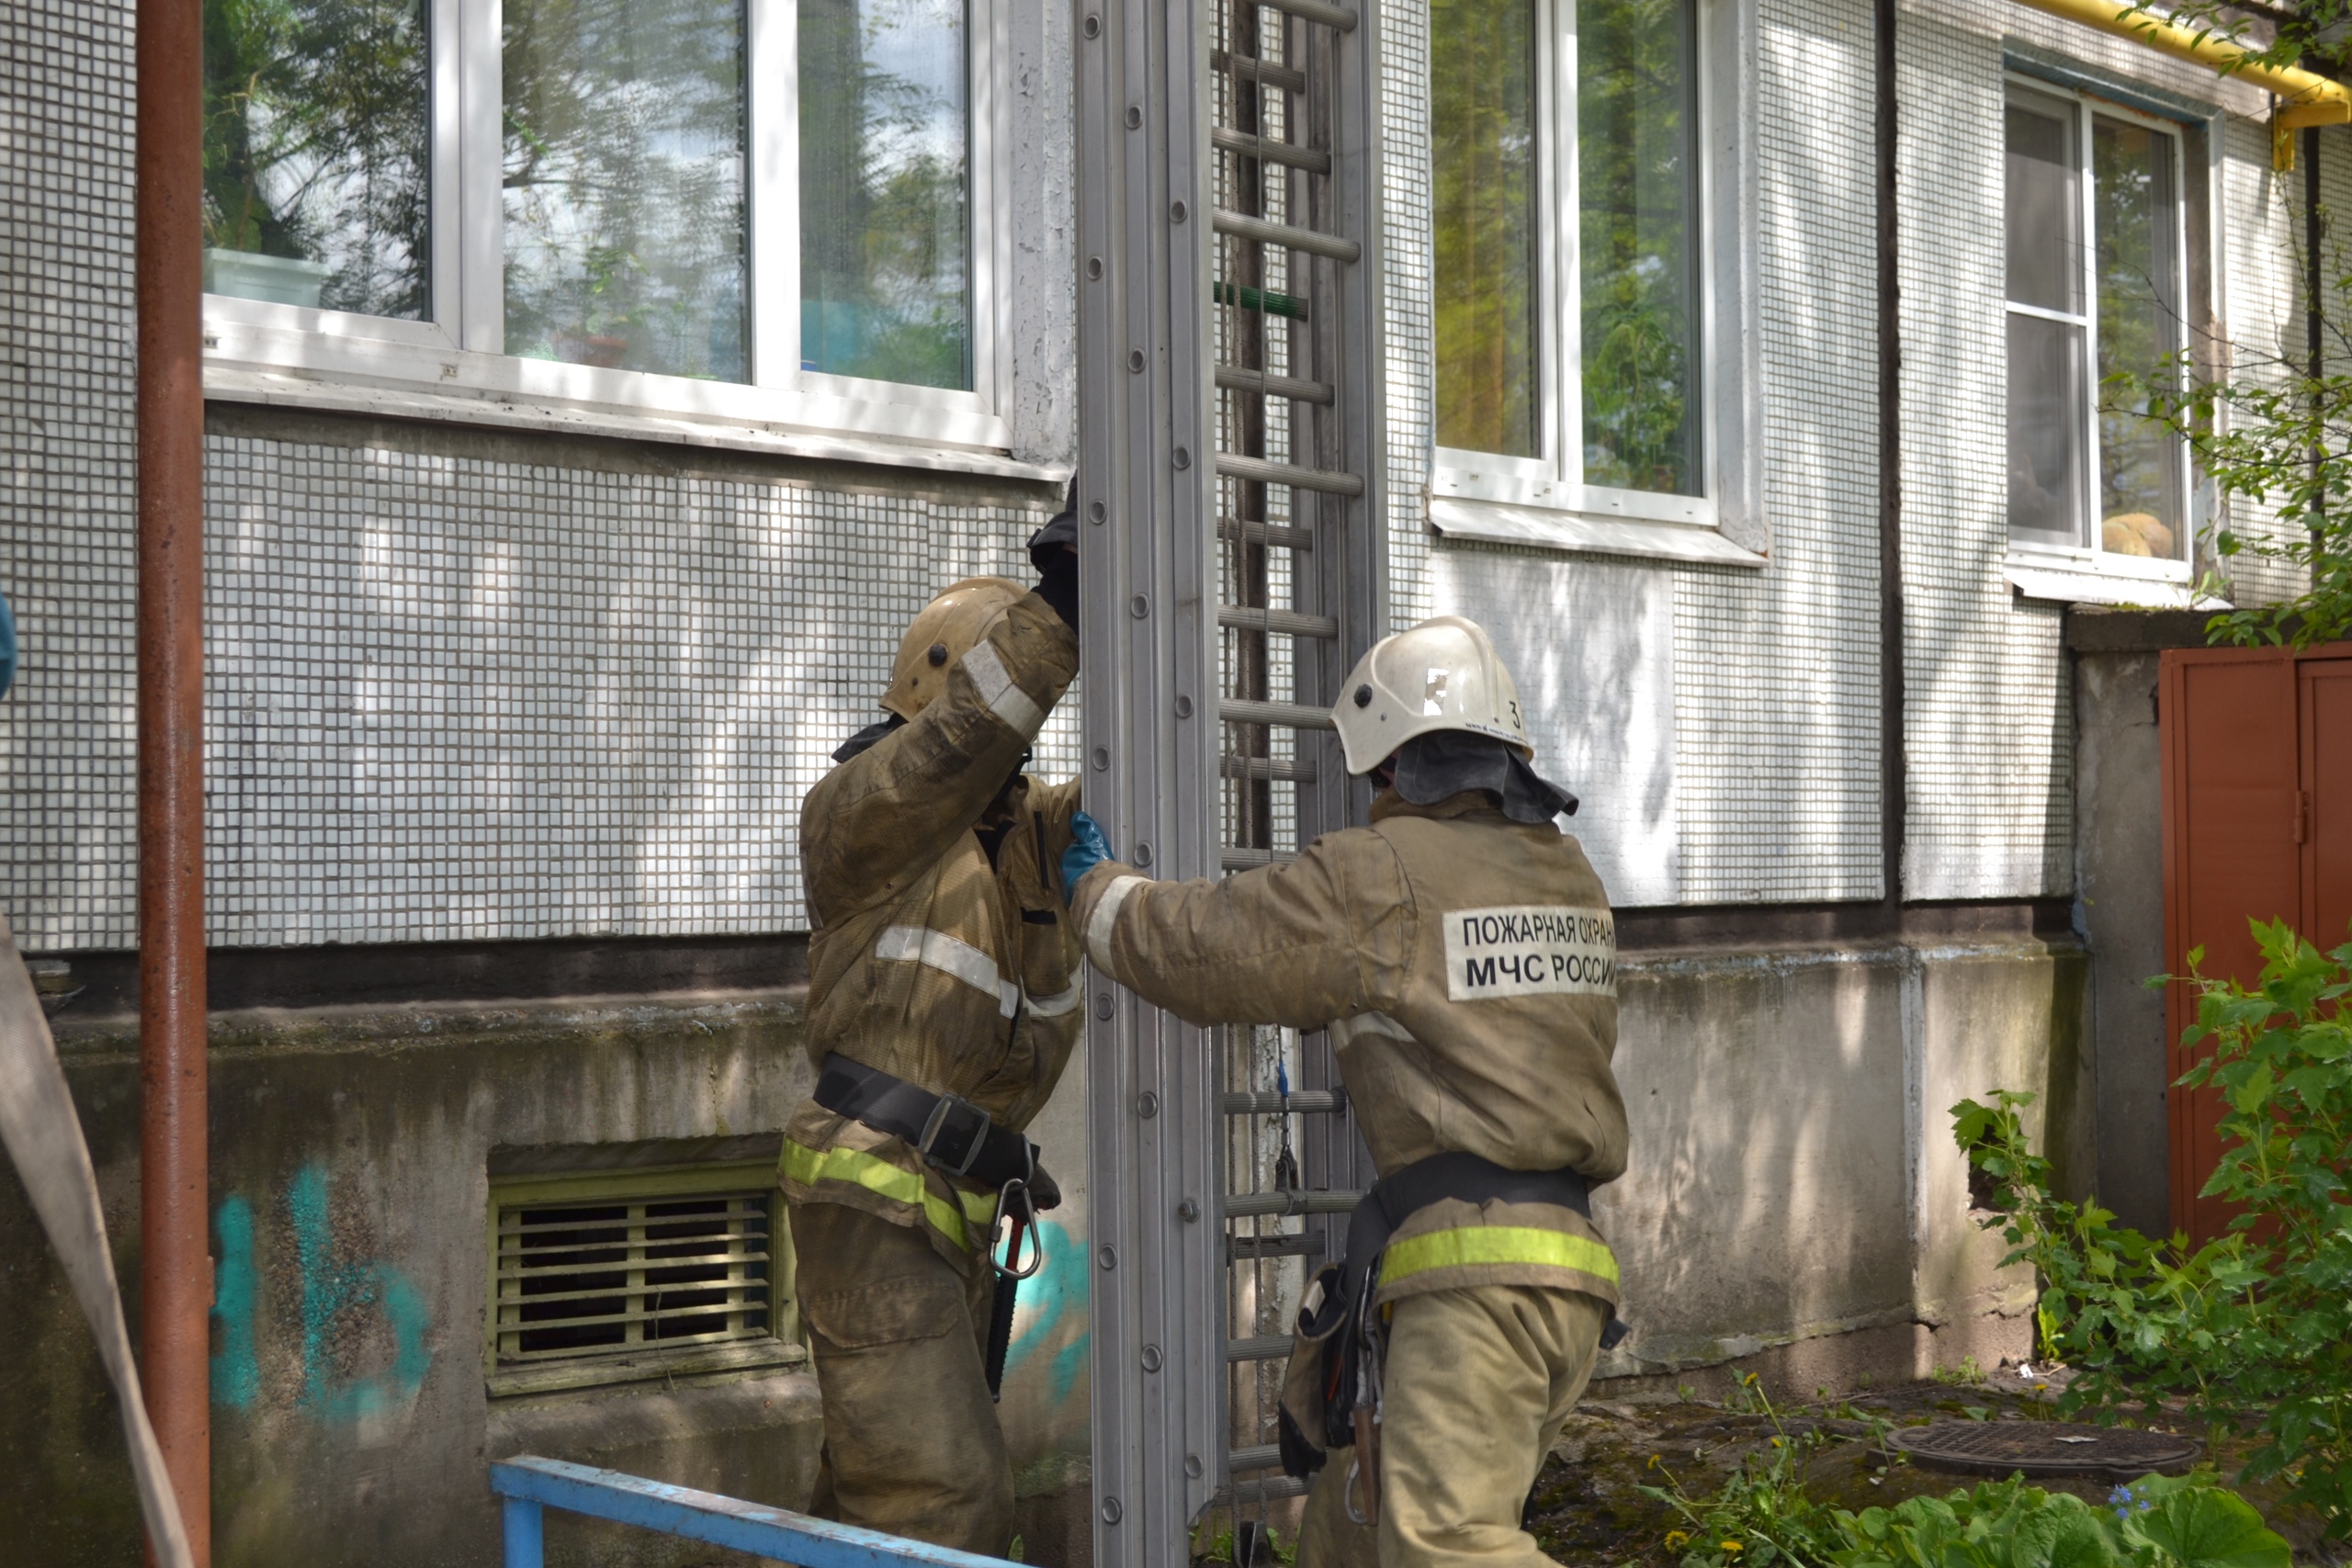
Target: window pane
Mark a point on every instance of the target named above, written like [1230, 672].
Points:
[2046, 404]
[1481, 112]
[886, 191]
[314, 153]
[1636, 176]
[625, 213]
[2139, 332]
[2045, 211]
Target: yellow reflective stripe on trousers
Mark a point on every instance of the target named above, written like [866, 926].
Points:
[808, 1167]
[1475, 1245]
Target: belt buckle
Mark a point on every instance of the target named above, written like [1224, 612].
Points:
[936, 1122]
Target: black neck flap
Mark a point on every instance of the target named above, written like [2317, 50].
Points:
[1443, 763]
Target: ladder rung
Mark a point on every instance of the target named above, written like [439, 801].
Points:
[1267, 149]
[1264, 1348]
[1330, 482]
[1258, 1205]
[1233, 858]
[1241, 1102]
[1281, 78]
[1288, 306]
[1282, 623]
[1233, 378]
[1241, 1249]
[1270, 1490]
[1265, 1456]
[1286, 715]
[1317, 12]
[1287, 770]
[1280, 535]
[1290, 236]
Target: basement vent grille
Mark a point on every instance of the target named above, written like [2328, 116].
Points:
[611, 1277]
[603, 1279]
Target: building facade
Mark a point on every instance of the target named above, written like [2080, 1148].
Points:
[595, 391]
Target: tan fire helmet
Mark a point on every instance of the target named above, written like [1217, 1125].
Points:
[1442, 674]
[944, 632]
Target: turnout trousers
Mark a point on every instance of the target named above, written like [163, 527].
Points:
[1477, 1384]
[912, 1441]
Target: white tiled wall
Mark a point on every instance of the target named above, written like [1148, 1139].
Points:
[1776, 673]
[464, 696]
[449, 697]
[1988, 739]
[2266, 319]
[1408, 301]
[66, 735]
[469, 698]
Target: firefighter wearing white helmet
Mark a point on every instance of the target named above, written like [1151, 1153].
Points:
[943, 1005]
[1460, 951]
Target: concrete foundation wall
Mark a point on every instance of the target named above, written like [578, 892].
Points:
[1794, 1178]
[1795, 1203]
[351, 1424]
[2120, 912]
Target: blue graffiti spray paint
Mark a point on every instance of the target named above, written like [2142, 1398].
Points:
[1059, 1284]
[236, 1370]
[331, 1289]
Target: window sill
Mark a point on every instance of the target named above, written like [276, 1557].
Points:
[233, 385]
[322, 360]
[1543, 528]
[2073, 582]
[644, 1366]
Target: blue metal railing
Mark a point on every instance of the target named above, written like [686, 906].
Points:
[531, 1484]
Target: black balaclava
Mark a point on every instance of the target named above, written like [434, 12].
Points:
[1445, 762]
[867, 739]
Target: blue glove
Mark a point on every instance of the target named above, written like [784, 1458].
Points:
[1088, 849]
[7, 648]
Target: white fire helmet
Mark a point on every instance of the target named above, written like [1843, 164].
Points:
[1442, 674]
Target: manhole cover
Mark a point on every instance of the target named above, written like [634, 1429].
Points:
[2044, 1448]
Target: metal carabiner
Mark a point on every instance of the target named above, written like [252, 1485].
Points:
[1015, 1191]
[1348, 1495]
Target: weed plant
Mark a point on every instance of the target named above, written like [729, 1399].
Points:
[2256, 1326]
[1762, 1515]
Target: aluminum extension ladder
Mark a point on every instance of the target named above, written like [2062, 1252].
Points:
[1231, 480]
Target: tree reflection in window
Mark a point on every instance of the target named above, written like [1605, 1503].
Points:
[623, 177]
[2137, 228]
[1483, 109]
[884, 191]
[315, 188]
[1637, 180]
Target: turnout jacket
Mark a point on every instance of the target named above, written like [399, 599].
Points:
[926, 961]
[1465, 967]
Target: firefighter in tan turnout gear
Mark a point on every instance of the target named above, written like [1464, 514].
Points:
[942, 1004]
[1460, 952]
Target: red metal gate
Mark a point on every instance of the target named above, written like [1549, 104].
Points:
[2257, 808]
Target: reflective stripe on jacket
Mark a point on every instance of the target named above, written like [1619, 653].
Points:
[954, 1213]
[1465, 967]
[924, 960]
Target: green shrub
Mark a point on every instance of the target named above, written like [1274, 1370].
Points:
[2259, 1321]
[1763, 1516]
[2153, 1523]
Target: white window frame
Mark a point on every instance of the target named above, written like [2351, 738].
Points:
[2041, 568]
[1546, 495]
[453, 365]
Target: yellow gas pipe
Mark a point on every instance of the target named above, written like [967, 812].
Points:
[2305, 97]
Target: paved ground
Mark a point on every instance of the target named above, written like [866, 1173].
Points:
[1590, 1508]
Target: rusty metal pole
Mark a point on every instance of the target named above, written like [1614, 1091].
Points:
[176, 1268]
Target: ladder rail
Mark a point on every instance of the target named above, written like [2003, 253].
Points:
[1230, 493]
